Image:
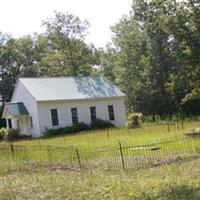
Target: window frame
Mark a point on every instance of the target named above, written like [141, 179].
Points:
[93, 116]
[10, 123]
[74, 117]
[31, 122]
[111, 113]
[54, 119]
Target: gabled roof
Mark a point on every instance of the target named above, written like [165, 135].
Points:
[70, 88]
[16, 109]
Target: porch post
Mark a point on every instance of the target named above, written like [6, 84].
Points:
[7, 125]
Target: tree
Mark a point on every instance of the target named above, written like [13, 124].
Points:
[67, 53]
[109, 61]
[17, 59]
[185, 81]
[59, 51]
[157, 49]
[131, 72]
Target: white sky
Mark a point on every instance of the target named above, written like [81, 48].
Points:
[21, 17]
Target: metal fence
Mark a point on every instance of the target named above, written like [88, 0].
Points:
[117, 155]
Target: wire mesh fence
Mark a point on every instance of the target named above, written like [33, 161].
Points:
[117, 155]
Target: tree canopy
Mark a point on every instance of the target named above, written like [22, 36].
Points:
[154, 55]
[59, 51]
[158, 65]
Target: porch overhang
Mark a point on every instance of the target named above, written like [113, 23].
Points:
[15, 110]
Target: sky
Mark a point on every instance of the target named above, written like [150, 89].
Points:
[22, 17]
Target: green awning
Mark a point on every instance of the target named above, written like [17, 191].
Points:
[17, 109]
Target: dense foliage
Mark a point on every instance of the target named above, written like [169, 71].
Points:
[67, 130]
[3, 132]
[12, 135]
[100, 124]
[78, 127]
[134, 120]
[59, 51]
[154, 57]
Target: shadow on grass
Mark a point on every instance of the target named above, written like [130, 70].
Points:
[174, 192]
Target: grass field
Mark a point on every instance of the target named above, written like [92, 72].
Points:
[179, 181]
[148, 133]
[49, 168]
[108, 149]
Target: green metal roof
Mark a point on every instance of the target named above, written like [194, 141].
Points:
[16, 109]
[70, 88]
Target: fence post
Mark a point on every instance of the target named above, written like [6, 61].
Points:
[168, 127]
[175, 125]
[39, 143]
[182, 124]
[25, 157]
[78, 158]
[108, 134]
[64, 140]
[49, 154]
[12, 150]
[128, 131]
[122, 156]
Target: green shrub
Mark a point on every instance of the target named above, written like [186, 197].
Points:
[134, 120]
[101, 124]
[12, 134]
[25, 137]
[3, 132]
[79, 127]
[96, 124]
[67, 130]
[51, 132]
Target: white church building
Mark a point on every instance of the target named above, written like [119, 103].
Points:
[40, 103]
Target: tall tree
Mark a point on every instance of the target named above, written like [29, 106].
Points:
[68, 53]
[16, 59]
[131, 71]
[184, 81]
[157, 47]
